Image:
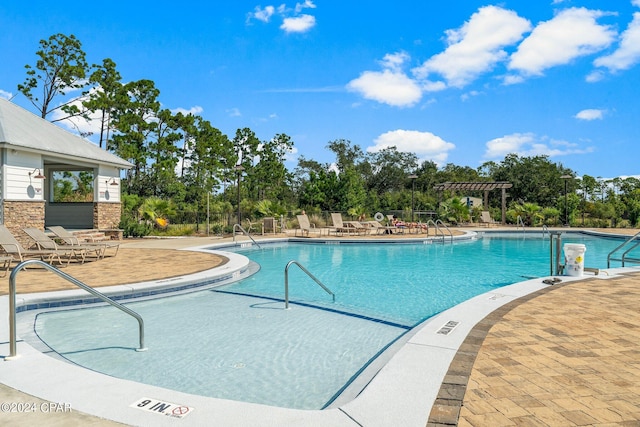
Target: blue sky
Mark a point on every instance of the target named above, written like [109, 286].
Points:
[459, 82]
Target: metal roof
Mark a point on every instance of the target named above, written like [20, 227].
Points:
[20, 128]
[480, 186]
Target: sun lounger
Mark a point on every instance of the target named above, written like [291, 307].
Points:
[80, 252]
[378, 228]
[6, 261]
[72, 240]
[13, 247]
[305, 226]
[348, 227]
[485, 218]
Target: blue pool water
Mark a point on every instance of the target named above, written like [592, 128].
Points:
[237, 342]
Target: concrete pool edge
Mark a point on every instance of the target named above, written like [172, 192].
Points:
[396, 395]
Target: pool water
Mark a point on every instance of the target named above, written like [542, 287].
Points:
[237, 342]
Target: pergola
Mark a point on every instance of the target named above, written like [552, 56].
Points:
[480, 186]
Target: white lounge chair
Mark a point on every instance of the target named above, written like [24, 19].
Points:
[72, 240]
[80, 252]
[485, 218]
[14, 248]
[348, 227]
[305, 226]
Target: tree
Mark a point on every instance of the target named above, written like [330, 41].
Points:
[389, 170]
[270, 172]
[134, 122]
[535, 179]
[61, 68]
[105, 97]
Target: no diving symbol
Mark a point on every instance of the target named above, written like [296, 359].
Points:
[181, 410]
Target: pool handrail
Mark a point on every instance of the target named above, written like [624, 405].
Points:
[13, 353]
[435, 224]
[635, 238]
[245, 232]
[315, 279]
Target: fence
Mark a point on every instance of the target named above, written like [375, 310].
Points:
[222, 223]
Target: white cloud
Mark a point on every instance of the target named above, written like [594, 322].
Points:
[263, 15]
[394, 61]
[590, 114]
[528, 144]
[390, 86]
[298, 24]
[6, 95]
[636, 3]
[195, 110]
[308, 4]
[425, 145]
[234, 112]
[387, 87]
[79, 124]
[594, 76]
[628, 53]
[476, 47]
[292, 20]
[570, 34]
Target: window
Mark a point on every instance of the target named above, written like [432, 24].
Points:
[72, 186]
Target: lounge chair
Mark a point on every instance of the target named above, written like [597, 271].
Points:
[305, 226]
[378, 228]
[13, 247]
[348, 227]
[485, 218]
[80, 252]
[5, 261]
[72, 240]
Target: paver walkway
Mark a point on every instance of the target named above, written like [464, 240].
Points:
[568, 355]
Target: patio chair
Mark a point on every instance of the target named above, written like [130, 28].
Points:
[13, 247]
[378, 228]
[305, 226]
[485, 218]
[72, 240]
[348, 227]
[80, 252]
[269, 225]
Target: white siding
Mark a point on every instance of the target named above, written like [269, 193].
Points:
[18, 184]
[106, 191]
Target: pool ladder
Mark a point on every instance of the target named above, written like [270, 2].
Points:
[629, 244]
[315, 279]
[436, 226]
[236, 226]
[13, 353]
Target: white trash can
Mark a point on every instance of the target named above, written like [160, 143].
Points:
[574, 259]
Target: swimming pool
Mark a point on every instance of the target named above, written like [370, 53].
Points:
[252, 350]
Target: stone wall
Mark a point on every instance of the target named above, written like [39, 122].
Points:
[22, 214]
[106, 216]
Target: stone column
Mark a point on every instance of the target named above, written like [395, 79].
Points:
[23, 214]
[106, 216]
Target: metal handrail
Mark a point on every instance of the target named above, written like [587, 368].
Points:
[315, 279]
[623, 244]
[435, 224]
[245, 232]
[545, 229]
[12, 303]
[519, 222]
[438, 221]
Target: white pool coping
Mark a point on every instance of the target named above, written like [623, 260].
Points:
[402, 392]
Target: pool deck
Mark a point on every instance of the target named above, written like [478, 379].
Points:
[527, 354]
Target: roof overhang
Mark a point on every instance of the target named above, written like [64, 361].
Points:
[472, 186]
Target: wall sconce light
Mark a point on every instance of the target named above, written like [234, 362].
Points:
[38, 175]
[111, 181]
